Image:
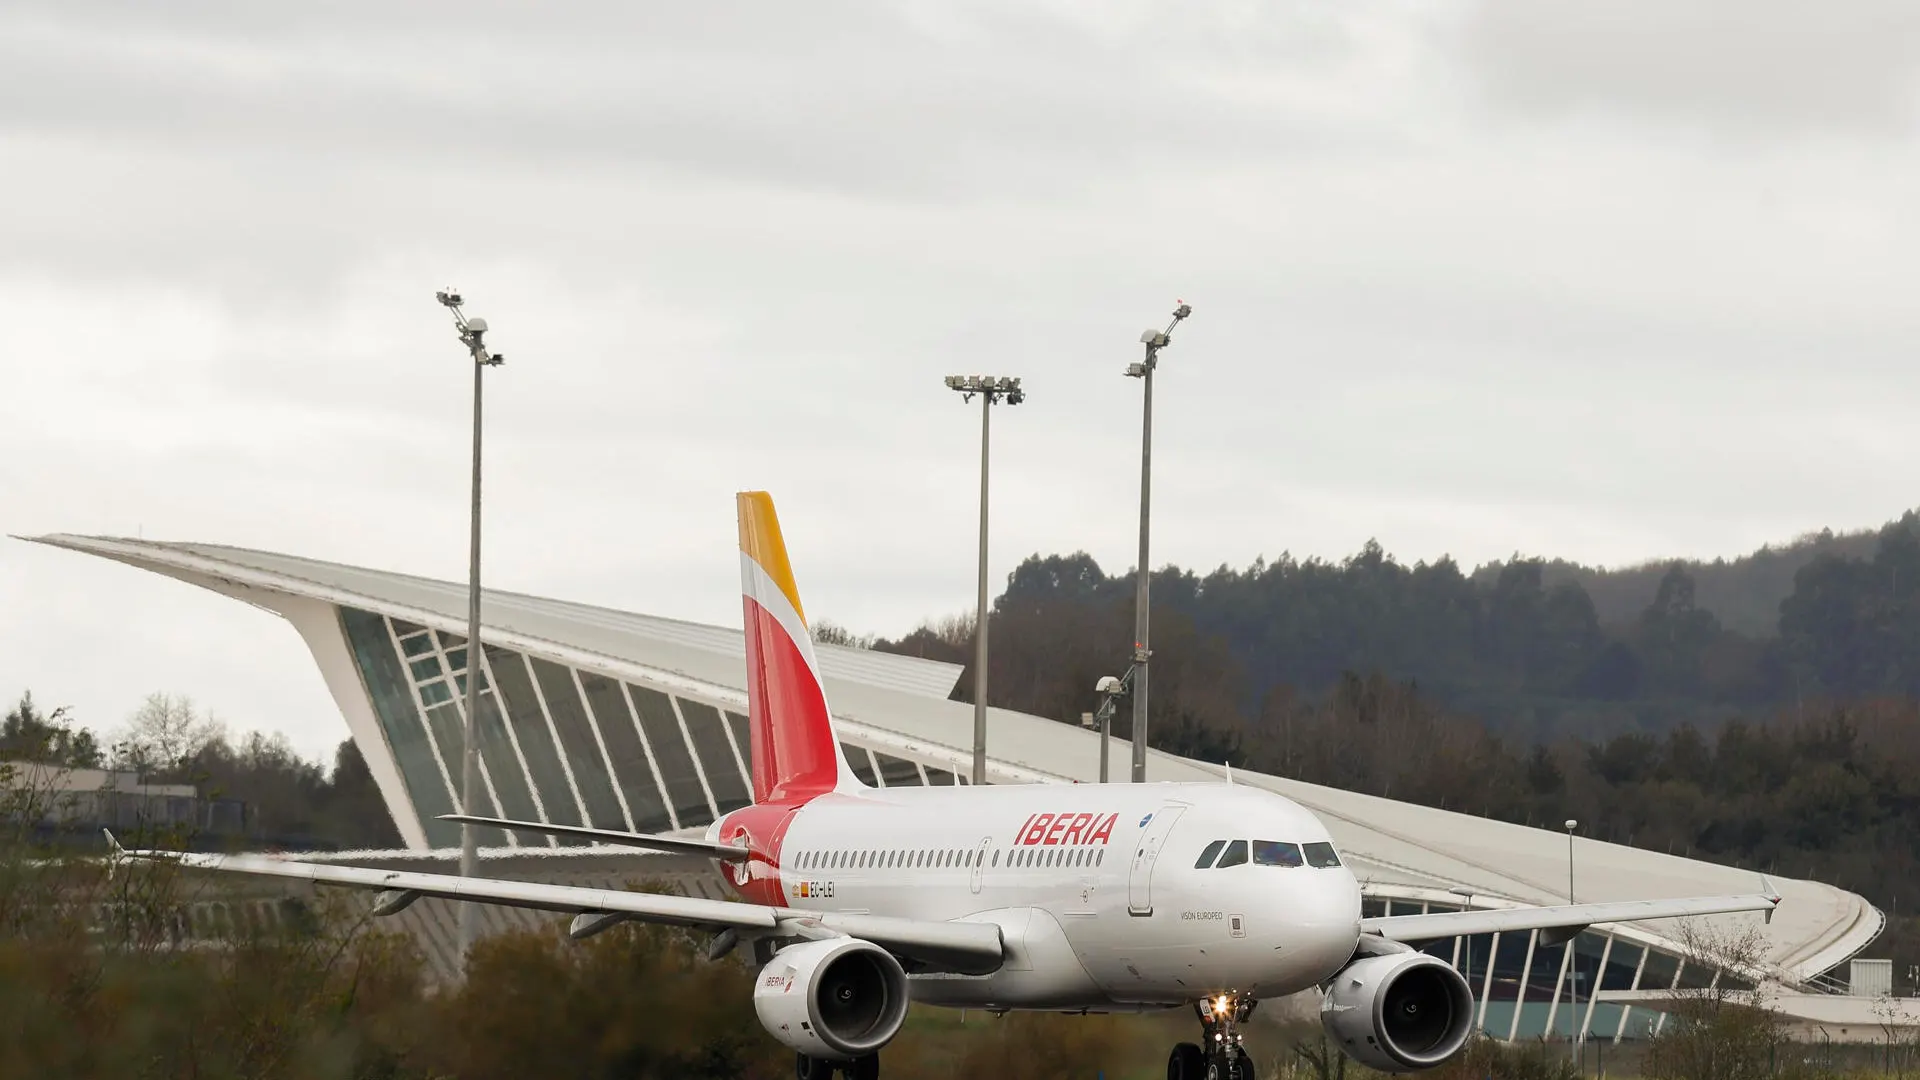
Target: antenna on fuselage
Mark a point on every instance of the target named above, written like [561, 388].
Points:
[1229, 767]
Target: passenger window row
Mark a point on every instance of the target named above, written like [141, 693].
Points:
[851, 859]
[1045, 856]
[1265, 853]
[942, 859]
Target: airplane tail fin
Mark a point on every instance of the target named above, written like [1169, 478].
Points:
[795, 752]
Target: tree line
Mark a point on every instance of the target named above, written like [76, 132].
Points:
[1519, 645]
[288, 801]
[1743, 592]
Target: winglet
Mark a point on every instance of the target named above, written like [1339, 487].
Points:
[115, 853]
[1767, 890]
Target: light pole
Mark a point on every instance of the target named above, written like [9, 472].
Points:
[1573, 956]
[1154, 340]
[1110, 689]
[472, 335]
[1459, 890]
[991, 389]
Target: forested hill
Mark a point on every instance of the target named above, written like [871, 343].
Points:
[1744, 593]
[1524, 645]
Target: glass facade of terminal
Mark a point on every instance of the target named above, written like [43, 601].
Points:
[1526, 988]
[560, 744]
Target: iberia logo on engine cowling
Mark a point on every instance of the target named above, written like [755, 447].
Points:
[1070, 829]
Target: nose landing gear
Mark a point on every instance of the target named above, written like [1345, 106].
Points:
[1220, 1054]
[813, 1068]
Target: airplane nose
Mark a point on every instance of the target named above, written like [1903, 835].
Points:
[1329, 920]
[1330, 898]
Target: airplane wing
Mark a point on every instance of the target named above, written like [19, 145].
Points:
[1569, 919]
[967, 948]
[675, 844]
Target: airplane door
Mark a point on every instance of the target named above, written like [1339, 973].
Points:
[1140, 877]
[979, 863]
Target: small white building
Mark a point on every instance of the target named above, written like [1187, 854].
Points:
[61, 796]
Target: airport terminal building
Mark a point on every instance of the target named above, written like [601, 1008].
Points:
[627, 721]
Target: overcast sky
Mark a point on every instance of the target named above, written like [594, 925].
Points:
[1598, 280]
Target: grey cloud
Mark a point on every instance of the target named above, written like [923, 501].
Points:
[192, 146]
[1749, 70]
[850, 98]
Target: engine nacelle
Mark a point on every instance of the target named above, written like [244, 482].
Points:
[840, 998]
[1399, 1012]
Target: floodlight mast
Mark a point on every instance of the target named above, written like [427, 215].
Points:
[991, 389]
[1577, 1033]
[473, 335]
[1154, 340]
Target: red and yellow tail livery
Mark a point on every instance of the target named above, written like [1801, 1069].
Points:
[795, 753]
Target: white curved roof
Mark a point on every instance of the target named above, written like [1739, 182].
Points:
[900, 703]
[696, 650]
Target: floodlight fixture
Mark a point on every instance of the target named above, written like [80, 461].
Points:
[995, 387]
[472, 332]
[1111, 689]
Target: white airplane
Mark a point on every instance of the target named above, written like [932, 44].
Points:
[1065, 898]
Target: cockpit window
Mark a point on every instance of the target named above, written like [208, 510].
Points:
[1207, 856]
[1276, 853]
[1236, 855]
[1321, 856]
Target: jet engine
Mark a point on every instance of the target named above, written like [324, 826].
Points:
[840, 998]
[1399, 1012]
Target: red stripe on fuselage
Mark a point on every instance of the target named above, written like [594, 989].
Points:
[761, 828]
[794, 757]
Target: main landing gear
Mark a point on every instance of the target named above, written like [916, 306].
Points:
[860, 1068]
[1220, 1055]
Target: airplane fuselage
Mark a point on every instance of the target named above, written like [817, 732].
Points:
[1095, 886]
